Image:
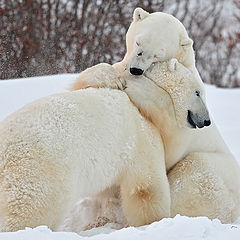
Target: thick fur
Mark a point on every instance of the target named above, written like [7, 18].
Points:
[203, 175]
[61, 148]
[158, 37]
[196, 160]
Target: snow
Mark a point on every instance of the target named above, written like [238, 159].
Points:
[16, 93]
[169, 228]
[224, 107]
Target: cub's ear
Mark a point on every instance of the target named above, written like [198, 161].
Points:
[172, 65]
[186, 42]
[139, 14]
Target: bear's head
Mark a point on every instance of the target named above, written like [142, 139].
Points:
[186, 93]
[156, 37]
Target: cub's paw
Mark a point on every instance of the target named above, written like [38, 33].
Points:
[102, 75]
[118, 83]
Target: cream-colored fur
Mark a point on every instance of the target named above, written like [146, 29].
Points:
[67, 146]
[158, 37]
[203, 175]
[195, 159]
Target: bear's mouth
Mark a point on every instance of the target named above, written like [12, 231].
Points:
[190, 120]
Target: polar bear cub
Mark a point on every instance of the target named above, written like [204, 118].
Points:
[156, 37]
[152, 38]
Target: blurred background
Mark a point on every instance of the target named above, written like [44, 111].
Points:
[42, 37]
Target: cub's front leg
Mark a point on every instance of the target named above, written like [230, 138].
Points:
[99, 76]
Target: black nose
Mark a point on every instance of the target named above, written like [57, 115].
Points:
[207, 123]
[136, 71]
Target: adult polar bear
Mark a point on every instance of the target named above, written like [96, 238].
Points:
[66, 146]
[195, 160]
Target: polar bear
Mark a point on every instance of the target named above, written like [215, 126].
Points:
[66, 146]
[155, 37]
[196, 160]
[199, 185]
[199, 182]
[151, 38]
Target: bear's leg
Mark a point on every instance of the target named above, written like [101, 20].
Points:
[105, 209]
[206, 184]
[145, 195]
[32, 193]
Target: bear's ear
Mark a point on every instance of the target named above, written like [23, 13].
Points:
[139, 14]
[172, 64]
[186, 42]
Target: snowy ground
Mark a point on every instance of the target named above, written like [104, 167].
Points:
[224, 108]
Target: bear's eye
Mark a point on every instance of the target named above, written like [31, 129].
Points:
[138, 43]
[197, 93]
[140, 54]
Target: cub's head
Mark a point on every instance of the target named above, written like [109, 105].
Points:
[186, 93]
[156, 37]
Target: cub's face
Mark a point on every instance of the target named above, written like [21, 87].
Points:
[149, 48]
[152, 38]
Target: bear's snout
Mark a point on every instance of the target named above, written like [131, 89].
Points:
[195, 121]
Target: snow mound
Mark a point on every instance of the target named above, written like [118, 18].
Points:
[176, 228]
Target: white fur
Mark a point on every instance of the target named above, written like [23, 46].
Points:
[63, 147]
[67, 146]
[158, 36]
[203, 175]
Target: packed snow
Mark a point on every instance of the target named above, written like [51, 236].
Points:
[177, 228]
[224, 108]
